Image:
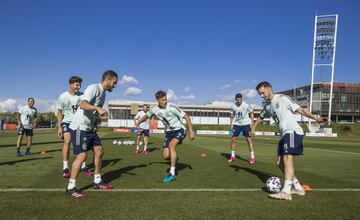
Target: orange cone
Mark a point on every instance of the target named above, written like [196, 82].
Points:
[306, 187]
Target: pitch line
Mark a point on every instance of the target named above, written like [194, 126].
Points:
[164, 190]
[333, 151]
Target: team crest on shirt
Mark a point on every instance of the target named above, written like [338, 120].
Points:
[277, 105]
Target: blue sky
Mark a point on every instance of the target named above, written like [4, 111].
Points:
[212, 48]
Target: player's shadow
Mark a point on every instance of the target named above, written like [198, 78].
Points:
[179, 166]
[152, 149]
[116, 174]
[105, 163]
[33, 144]
[23, 160]
[263, 176]
[227, 156]
[48, 151]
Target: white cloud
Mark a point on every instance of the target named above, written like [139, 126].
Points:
[225, 86]
[133, 91]
[9, 105]
[13, 105]
[187, 89]
[172, 97]
[237, 81]
[220, 104]
[249, 93]
[229, 97]
[128, 80]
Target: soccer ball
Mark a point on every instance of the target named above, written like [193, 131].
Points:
[119, 143]
[115, 142]
[141, 143]
[273, 184]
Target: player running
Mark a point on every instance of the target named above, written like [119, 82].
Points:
[67, 106]
[172, 117]
[144, 130]
[241, 123]
[26, 121]
[83, 131]
[281, 108]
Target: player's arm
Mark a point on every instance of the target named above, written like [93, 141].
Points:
[34, 123]
[305, 112]
[253, 128]
[251, 119]
[190, 128]
[59, 117]
[18, 119]
[141, 120]
[85, 105]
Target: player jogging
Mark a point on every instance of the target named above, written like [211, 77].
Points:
[144, 130]
[175, 131]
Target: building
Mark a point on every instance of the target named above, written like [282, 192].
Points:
[345, 102]
[121, 114]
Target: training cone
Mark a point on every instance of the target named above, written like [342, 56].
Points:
[43, 152]
[306, 187]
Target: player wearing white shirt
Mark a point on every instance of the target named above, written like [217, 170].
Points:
[241, 123]
[67, 106]
[175, 131]
[281, 108]
[26, 121]
[144, 130]
[84, 132]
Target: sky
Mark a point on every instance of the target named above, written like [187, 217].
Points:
[198, 51]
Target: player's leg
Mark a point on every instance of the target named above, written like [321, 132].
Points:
[173, 159]
[146, 142]
[251, 150]
[233, 149]
[75, 169]
[98, 183]
[137, 151]
[29, 134]
[18, 143]
[65, 154]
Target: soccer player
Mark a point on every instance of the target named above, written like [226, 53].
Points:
[241, 123]
[281, 108]
[144, 130]
[175, 131]
[67, 106]
[83, 131]
[26, 121]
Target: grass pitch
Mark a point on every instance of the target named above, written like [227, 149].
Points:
[207, 187]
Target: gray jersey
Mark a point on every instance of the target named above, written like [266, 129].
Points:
[241, 114]
[68, 104]
[27, 116]
[282, 109]
[145, 125]
[171, 116]
[85, 119]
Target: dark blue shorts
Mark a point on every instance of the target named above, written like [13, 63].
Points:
[145, 132]
[178, 134]
[65, 127]
[291, 144]
[84, 141]
[23, 131]
[244, 130]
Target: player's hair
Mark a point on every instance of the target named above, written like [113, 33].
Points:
[31, 98]
[109, 74]
[146, 105]
[75, 79]
[238, 95]
[263, 84]
[160, 94]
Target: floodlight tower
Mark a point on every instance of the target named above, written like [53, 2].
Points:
[323, 63]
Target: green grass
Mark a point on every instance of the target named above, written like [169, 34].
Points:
[322, 167]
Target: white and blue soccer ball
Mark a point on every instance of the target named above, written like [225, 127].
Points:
[273, 184]
[119, 143]
[115, 142]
